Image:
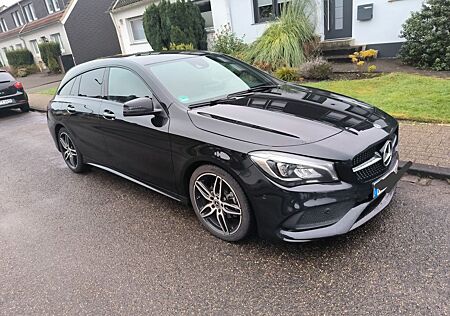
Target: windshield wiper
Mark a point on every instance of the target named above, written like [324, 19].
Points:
[253, 89]
[235, 95]
[208, 103]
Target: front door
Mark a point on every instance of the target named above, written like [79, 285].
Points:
[138, 147]
[338, 18]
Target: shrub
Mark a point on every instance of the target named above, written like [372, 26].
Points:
[284, 41]
[372, 68]
[286, 73]
[49, 51]
[360, 59]
[427, 35]
[263, 66]
[226, 42]
[181, 46]
[316, 69]
[178, 22]
[53, 65]
[25, 70]
[19, 57]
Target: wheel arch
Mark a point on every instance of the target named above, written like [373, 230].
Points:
[194, 165]
[58, 127]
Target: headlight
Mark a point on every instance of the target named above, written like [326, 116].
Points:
[292, 169]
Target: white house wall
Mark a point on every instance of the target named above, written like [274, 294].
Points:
[120, 19]
[36, 35]
[240, 15]
[385, 27]
[386, 24]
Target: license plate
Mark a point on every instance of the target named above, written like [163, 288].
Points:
[7, 101]
[387, 182]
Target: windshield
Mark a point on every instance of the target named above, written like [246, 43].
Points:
[203, 78]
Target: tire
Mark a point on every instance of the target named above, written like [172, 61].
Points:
[25, 108]
[72, 157]
[227, 216]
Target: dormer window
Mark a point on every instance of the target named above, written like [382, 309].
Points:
[52, 6]
[3, 25]
[17, 18]
[30, 15]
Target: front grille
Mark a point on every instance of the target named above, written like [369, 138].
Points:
[377, 169]
[371, 173]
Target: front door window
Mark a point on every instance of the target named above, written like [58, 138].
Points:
[338, 18]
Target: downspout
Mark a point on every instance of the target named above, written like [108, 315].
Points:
[230, 17]
[26, 22]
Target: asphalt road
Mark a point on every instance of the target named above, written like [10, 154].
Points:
[97, 244]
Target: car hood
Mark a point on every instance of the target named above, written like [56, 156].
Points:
[288, 116]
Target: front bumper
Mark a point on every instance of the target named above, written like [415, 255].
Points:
[354, 218]
[316, 211]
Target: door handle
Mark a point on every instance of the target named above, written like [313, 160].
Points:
[109, 115]
[71, 109]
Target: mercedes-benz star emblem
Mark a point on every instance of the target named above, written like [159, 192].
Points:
[386, 151]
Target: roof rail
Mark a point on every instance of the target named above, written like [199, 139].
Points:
[164, 52]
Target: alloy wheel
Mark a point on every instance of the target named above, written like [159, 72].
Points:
[68, 149]
[217, 203]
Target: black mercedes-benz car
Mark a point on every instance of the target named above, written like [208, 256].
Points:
[12, 94]
[250, 152]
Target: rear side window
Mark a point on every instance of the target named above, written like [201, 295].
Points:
[91, 83]
[71, 88]
[124, 86]
[67, 88]
[6, 77]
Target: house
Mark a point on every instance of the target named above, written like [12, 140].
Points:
[83, 29]
[365, 23]
[127, 18]
[340, 23]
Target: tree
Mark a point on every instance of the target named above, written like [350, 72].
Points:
[176, 23]
[427, 35]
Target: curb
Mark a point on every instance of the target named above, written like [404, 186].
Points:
[42, 85]
[32, 109]
[422, 170]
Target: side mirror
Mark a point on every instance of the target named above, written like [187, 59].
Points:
[140, 107]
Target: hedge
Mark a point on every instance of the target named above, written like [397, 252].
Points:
[50, 51]
[20, 57]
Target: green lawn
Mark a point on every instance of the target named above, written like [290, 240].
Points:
[49, 91]
[404, 96]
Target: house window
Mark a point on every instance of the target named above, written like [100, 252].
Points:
[52, 6]
[267, 10]
[205, 10]
[137, 30]
[3, 25]
[19, 46]
[57, 39]
[17, 18]
[35, 47]
[11, 48]
[5, 50]
[30, 15]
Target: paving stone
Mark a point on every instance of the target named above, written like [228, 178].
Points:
[410, 178]
[424, 181]
[425, 143]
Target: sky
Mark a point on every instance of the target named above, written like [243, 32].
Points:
[8, 2]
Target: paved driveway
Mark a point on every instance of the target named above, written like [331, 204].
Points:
[97, 244]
